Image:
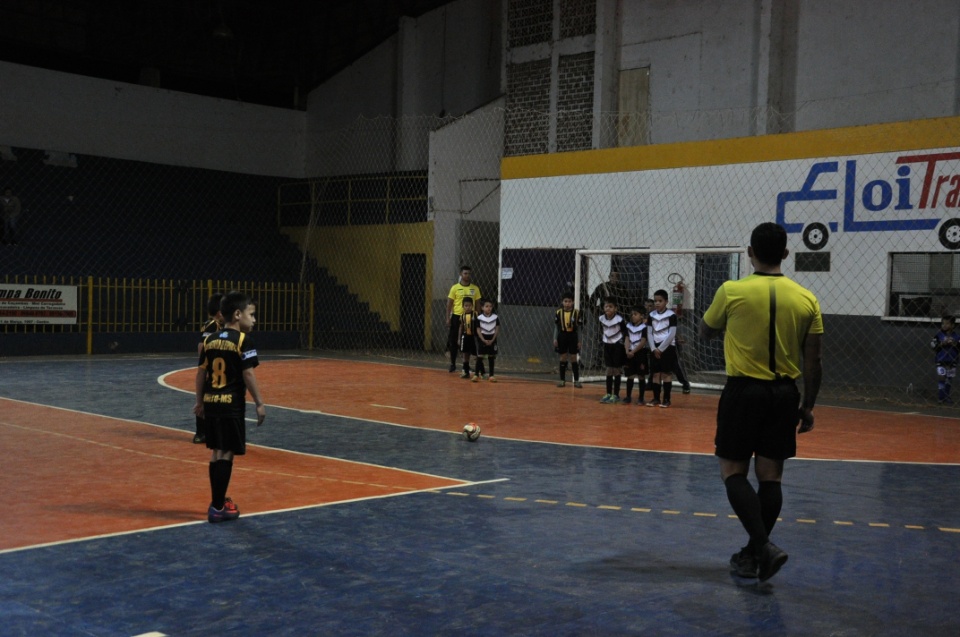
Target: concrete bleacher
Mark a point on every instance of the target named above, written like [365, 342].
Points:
[135, 220]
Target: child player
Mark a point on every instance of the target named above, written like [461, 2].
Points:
[613, 327]
[488, 330]
[946, 345]
[213, 324]
[663, 354]
[467, 332]
[635, 345]
[224, 376]
[566, 339]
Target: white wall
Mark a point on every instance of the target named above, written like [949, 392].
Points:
[717, 206]
[443, 63]
[71, 113]
[875, 61]
[463, 185]
[822, 63]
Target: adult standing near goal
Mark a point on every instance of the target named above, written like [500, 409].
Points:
[462, 288]
[769, 320]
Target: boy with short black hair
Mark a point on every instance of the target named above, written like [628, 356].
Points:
[467, 335]
[566, 339]
[213, 324]
[947, 353]
[635, 345]
[663, 353]
[488, 331]
[613, 327]
[224, 375]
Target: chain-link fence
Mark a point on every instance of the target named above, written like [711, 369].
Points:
[397, 205]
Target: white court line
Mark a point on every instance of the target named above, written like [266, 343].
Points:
[388, 406]
[457, 432]
[249, 444]
[384, 496]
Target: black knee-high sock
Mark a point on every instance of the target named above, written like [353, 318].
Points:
[656, 392]
[667, 388]
[479, 367]
[630, 387]
[490, 359]
[771, 501]
[616, 385]
[200, 429]
[576, 371]
[219, 481]
[609, 384]
[563, 370]
[641, 389]
[746, 504]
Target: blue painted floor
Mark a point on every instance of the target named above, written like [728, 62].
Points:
[571, 541]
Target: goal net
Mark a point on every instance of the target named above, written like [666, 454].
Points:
[632, 277]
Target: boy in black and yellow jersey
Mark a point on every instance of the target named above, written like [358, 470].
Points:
[214, 323]
[467, 336]
[566, 339]
[224, 375]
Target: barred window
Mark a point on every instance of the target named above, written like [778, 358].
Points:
[924, 284]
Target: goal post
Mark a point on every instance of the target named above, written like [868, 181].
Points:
[691, 278]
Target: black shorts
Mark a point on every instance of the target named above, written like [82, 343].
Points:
[468, 344]
[568, 343]
[613, 354]
[638, 365]
[486, 350]
[453, 333]
[227, 433]
[666, 364]
[757, 417]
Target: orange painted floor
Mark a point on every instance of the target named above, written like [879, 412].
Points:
[72, 473]
[80, 466]
[538, 411]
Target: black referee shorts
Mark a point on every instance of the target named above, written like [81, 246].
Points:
[757, 417]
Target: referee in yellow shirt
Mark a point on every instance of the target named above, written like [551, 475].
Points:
[773, 336]
[463, 288]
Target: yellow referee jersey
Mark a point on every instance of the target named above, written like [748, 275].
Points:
[766, 318]
[458, 292]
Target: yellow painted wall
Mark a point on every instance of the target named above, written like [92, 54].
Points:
[855, 140]
[366, 259]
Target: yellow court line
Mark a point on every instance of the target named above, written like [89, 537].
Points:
[701, 514]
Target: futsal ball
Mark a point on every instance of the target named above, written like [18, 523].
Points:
[471, 431]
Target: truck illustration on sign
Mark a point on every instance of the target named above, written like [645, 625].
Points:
[940, 188]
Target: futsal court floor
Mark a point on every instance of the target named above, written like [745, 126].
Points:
[364, 512]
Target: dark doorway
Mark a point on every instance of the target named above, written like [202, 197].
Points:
[413, 292]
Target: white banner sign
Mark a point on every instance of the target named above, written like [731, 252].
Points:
[38, 304]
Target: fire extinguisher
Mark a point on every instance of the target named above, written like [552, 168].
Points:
[676, 296]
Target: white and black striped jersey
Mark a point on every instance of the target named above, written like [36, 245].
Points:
[488, 324]
[613, 328]
[663, 329]
[635, 334]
